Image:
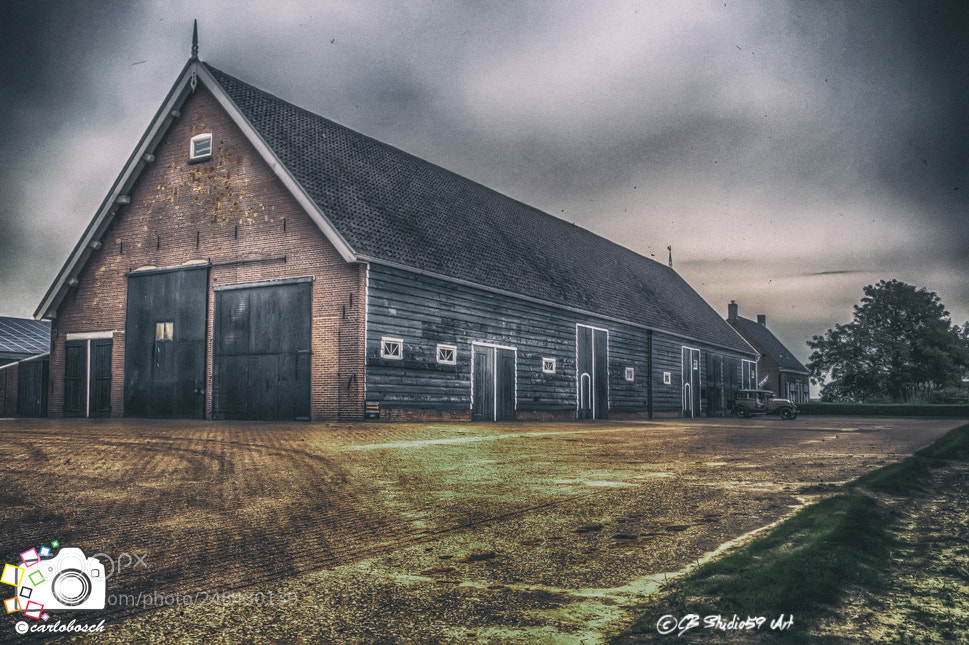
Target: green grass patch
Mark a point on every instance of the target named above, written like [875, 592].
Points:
[911, 474]
[798, 568]
[902, 479]
[803, 565]
[952, 445]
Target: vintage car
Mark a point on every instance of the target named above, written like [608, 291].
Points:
[751, 402]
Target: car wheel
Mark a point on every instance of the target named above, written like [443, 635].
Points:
[788, 413]
[743, 412]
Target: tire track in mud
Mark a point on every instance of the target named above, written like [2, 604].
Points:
[223, 509]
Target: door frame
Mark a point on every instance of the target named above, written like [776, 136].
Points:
[690, 386]
[89, 381]
[493, 350]
[593, 378]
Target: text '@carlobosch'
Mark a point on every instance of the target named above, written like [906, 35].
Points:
[669, 624]
[200, 598]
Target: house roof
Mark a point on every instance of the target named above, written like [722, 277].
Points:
[767, 343]
[377, 203]
[23, 337]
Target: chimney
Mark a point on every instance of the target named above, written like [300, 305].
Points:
[762, 319]
[732, 310]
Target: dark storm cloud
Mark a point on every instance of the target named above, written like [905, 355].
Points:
[46, 63]
[48, 60]
[789, 152]
[901, 96]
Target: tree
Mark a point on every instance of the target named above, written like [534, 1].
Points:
[901, 344]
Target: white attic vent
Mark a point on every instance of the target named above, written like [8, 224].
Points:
[201, 148]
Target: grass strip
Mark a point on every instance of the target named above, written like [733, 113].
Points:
[800, 566]
[912, 474]
[804, 565]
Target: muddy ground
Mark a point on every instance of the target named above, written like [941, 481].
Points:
[229, 532]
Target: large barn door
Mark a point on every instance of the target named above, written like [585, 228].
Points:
[262, 351]
[493, 396]
[592, 361]
[165, 343]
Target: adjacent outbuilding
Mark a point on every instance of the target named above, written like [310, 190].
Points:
[24, 353]
[778, 368]
[256, 261]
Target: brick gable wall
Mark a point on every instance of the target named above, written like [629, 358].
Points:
[234, 212]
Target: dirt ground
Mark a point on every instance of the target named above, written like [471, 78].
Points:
[361, 533]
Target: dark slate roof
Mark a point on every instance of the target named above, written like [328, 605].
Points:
[767, 343]
[23, 337]
[393, 207]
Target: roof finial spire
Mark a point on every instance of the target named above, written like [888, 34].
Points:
[195, 40]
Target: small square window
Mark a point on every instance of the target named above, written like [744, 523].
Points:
[447, 354]
[667, 378]
[548, 365]
[630, 374]
[201, 147]
[392, 348]
[164, 331]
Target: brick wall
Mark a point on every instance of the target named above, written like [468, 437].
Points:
[229, 208]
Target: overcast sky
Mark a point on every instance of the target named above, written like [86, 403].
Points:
[791, 153]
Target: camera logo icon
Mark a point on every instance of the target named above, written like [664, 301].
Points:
[71, 581]
[67, 581]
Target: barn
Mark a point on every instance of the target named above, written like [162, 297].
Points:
[256, 261]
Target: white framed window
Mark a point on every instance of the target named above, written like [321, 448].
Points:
[548, 365]
[447, 354]
[201, 147]
[667, 378]
[164, 330]
[392, 348]
[630, 374]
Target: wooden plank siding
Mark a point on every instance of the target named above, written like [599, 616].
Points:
[424, 311]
